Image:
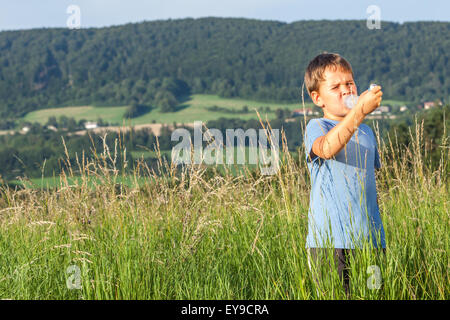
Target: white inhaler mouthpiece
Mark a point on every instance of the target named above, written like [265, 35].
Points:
[350, 100]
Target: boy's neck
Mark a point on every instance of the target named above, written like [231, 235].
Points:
[330, 116]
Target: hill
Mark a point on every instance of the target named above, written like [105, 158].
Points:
[157, 63]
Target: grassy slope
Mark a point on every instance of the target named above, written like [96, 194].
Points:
[188, 236]
[191, 110]
[57, 181]
[112, 114]
[225, 238]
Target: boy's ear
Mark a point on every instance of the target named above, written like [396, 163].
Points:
[315, 97]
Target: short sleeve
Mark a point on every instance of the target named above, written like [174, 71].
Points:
[314, 130]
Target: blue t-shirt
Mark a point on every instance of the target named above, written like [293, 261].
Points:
[343, 210]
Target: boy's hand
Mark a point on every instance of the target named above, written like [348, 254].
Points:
[329, 145]
[369, 100]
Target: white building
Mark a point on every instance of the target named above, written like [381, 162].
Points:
[428, 105]
[90, 125]
[25, 129]
[431, 104]
[381, 109]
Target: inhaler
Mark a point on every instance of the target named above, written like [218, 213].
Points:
[350, 101]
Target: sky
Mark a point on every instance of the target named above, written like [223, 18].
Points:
[28, 14]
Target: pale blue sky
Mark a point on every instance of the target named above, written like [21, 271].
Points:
[26, 14]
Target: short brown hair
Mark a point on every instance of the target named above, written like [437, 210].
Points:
[318, 65]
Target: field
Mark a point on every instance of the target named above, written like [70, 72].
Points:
[193, 109]
[112, 114]
[193, 233]
[133, 181]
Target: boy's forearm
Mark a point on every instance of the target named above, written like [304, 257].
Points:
[332, 143]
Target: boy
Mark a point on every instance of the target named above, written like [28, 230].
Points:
[342, 155]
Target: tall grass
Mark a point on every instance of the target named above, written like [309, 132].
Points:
[190, 234]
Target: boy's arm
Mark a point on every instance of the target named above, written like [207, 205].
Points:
[330, 144]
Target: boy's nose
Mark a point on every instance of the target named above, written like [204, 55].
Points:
[347, 90]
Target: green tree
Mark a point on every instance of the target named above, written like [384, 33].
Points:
[166, 101]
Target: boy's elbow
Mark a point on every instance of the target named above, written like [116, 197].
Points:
[321, 149]
[327, 157]
[327, 153]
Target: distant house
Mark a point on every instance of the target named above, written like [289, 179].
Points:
[303, 112]
[52, 128]
[384, 109]
[403, 108]
[381, 110]
[90, 125]
[431, 104]
[428, 105]
[25, 129]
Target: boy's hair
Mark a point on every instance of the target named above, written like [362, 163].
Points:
[318, 65]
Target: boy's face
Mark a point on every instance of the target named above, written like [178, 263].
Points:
[336, 86]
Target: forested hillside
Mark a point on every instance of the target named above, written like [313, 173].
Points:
[157, 63]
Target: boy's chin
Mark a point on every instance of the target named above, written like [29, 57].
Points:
[342, 112]
[346, 110]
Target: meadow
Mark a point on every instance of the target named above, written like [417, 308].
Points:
[195, 108]
[141, 156]
[194, 233]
